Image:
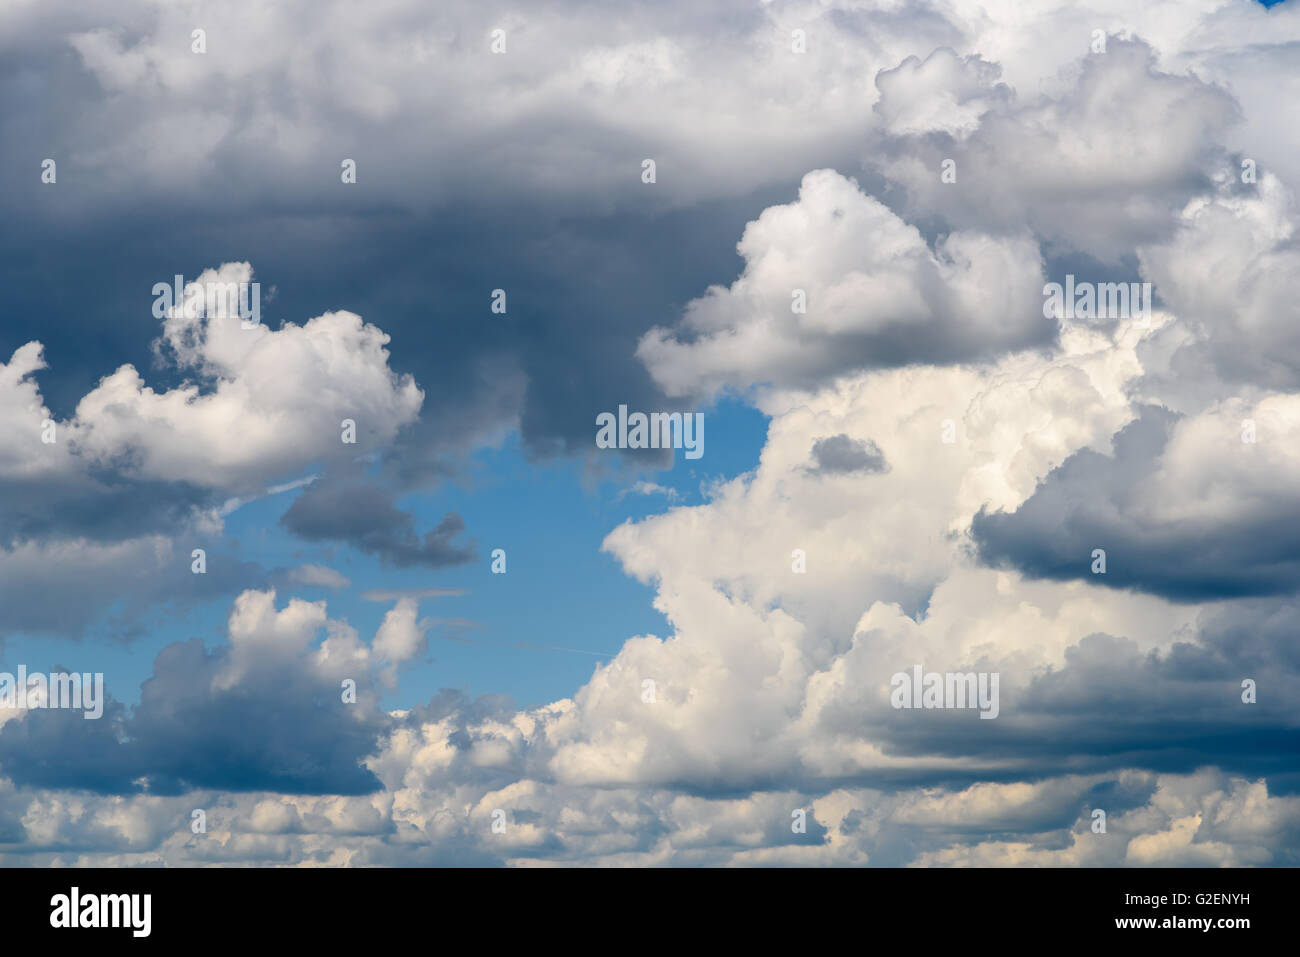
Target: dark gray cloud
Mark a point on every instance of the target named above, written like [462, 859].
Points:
[451, 201]
[1095, 501]
[281, 728]
[63, 590]
[843, 455]
[1113, 706]
[351, 509]
[580, 292]
[100, 505]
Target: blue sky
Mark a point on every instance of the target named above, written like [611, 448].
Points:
[564, 592]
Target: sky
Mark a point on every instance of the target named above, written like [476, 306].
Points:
[435, 619]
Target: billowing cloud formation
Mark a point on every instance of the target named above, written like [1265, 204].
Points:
[278, 399]
[1231, 271]
[942, 93]
[835, 283]
[454, 115]
[797, 590]
[262, 405]
[1055, 163]
[478, 169]
[99, 499]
